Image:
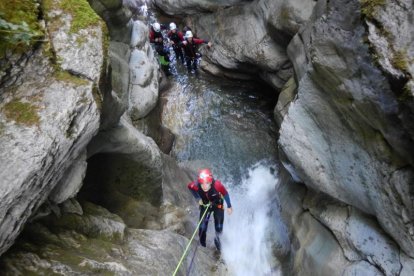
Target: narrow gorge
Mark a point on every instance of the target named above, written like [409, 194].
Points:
[304, 109]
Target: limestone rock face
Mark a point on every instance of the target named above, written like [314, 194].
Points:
[361, 238]
[125, 175]
[328, 237]
[286, 96]
[253, 45]
[78, 52]
[36, 150]
[99, 242]
[134, 80]
[62, 121]
[179, 206]
[313, 249]
[48, 115]
[143, 86]
[186, 7]
[349, 131]
[71, 182]
[394, 50]
[135, 75]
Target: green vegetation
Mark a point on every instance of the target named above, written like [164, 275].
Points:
[83, 15]
[2, 128]
[97, 96]
[68, 77]
[406, 94]
[52, 242]
[399, 61]
[368, 7]
[59, 73]
[23, 113]
[285, 13]
[81, 40]
[19, 25]
[105, 41]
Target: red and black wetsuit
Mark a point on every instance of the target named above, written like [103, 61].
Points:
[158, 40]
[177, 37]
[153, 35]
[191, 50]
[215, 196]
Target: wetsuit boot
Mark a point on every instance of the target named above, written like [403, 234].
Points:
[217, 243]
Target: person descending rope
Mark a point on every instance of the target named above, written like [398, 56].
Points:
[155, 37]
[176, 37]
[210, 193]
[190, 46]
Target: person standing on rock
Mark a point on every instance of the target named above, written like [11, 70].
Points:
[207, 190]
[176, 37]
[190, 46]
[155, 37]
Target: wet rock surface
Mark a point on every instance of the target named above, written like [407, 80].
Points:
[58, 117]
[98, 243]
[253, 46]
[349, 121]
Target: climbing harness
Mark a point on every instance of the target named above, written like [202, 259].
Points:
[192, 237]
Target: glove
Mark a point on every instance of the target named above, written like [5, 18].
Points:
[200, 202]
[229, 211]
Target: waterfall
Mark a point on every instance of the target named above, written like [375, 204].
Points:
[246, 245]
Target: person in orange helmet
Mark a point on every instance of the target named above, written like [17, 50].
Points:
[208, 190]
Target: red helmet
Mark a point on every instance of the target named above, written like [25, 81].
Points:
[205, 176]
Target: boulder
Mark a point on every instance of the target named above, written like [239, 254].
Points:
[46, 124]
[359, 235]
[348, 132]
[253, 46]
[98, 242]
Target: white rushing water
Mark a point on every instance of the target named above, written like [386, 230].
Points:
[246, 249]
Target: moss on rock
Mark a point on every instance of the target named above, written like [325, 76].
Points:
[407, 94]
[83, 15]
[97, 96]
[2, 128]
[19, 25]
[17, 11]
[43, 248]
[369, 7]
[400, 61]
[23, 113]
[69, 78]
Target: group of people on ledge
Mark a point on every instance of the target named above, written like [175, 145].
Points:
[185, 46]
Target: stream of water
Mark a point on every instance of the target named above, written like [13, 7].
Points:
[247, 241]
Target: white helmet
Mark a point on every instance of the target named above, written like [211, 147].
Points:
[173, 26]
[188, 34]
[157, 27]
